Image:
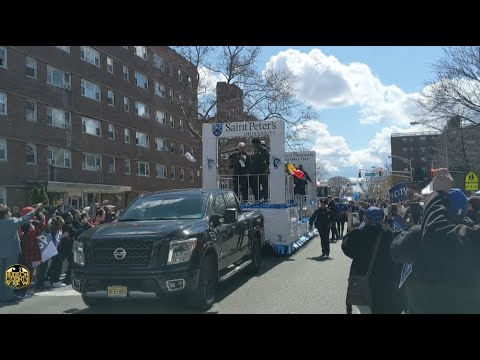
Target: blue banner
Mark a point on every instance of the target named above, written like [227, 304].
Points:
[399, 192]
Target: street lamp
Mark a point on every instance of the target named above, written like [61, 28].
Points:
[408, 161]
[433, 127]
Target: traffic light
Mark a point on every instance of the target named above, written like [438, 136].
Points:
[379, 172]
[359, 173]
[433, 173]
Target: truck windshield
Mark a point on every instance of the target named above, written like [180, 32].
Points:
[166, 208]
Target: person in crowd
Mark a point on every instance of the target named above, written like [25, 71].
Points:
[359, 245]
[55, 226]
[84, 222]
[240, 163]
[332, 206]
[444, 277]
[31, 254]
[99, 217]
[341, 217]
[322, 218]
[473, 211]
[10, 245]
[260, 162]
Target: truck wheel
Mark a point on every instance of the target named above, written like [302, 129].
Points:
[203, 297]
[256, 256]
[94, 302]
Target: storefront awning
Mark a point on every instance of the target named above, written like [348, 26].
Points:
[78, 188]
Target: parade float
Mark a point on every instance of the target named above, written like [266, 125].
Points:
[286, 214]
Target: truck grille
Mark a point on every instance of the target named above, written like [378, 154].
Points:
[137, 253]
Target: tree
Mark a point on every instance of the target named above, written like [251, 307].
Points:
[451, 102]
[320, 171]
[337, 183]
[39, 195]
[270, 94]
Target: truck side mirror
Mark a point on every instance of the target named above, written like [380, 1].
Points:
[231, 216]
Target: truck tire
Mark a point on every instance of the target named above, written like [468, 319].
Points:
[256, 256]
[96, 302]
[203, 297]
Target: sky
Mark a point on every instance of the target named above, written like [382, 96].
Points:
[362, 95]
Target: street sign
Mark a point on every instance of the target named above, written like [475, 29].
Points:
[471, 181]
[370, 174]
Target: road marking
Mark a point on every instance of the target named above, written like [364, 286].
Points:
[58, 292]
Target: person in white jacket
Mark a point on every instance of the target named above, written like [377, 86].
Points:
[10, 245]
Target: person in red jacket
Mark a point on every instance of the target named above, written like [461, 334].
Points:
[30, 251]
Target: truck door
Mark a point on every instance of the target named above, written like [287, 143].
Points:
[239, 245]
[224, 232]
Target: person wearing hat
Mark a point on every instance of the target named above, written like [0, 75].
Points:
[260, 162]
[444, 278]
[10, 245]
[359, 245]
[240, 163]
[322, 218]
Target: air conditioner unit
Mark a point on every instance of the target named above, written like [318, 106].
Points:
[98, 168]
[68, 87]
[52, 162]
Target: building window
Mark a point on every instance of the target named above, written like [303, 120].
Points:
[31, 67]
[172, 121]
[191, 150]
[182, 174]
[404, 140]
[3, 195]
[141, 80]
[126, 136]
[111, 132]
[64, 48]
[423, 139]
[161, 171]
[3, 149]
[141, 109]
[140, 51]
[127, 167]
[189, 82]
[91, 126]
[110, 98]
[172, 173]
[180, 123]
[31, 154]
[91, 162]
[172, 147]
[59, 157]
[142, 139]
[423, 149]
[192, 175]
[405, 150]
[161, 118]
[110, 65]
[170, 69]
[3, 57]
[182, 149]
[411, 149]
[58, 78]
[31, 110]
[158, 62]
[180, 77]
[90, 90]
[125, 72]
[160, 144]
[126, 104]
[159, 89]
[111, 164]
[90, 55]
[58, 118]
[143, 168]
[3, 103]
[170, 94]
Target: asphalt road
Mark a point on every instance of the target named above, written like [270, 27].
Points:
[302, 283]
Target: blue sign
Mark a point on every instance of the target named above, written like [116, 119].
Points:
[399, 192]
[217, 129]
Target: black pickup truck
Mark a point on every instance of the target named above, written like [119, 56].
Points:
[179, 241]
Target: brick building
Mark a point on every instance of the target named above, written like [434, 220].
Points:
[94, 120]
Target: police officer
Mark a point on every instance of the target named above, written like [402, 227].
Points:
[240, 163]
[260, 163]
[322, 218]
[333, 209]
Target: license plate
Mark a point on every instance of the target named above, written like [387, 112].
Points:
[117, 291]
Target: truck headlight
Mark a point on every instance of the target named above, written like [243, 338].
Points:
[78, 253]
[181, 250]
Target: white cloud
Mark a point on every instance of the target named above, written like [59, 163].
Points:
[325, 82]
[208, 81]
